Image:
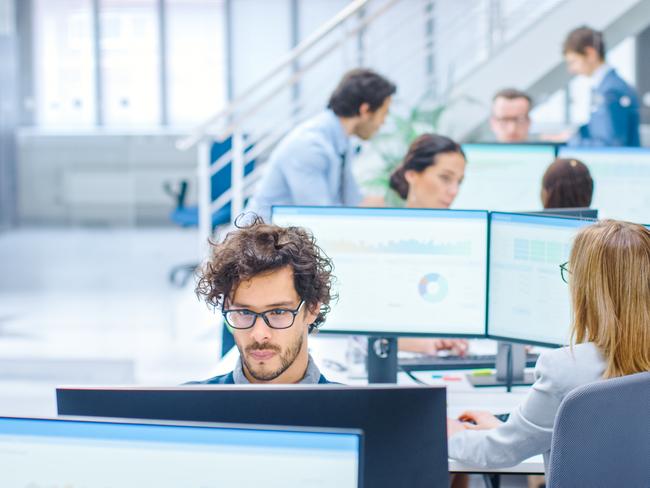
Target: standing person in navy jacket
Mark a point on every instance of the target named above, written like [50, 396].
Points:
[614, 104]
[272, 285]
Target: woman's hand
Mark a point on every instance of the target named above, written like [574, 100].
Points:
[456, 346]
[432, 346]
[479, 420]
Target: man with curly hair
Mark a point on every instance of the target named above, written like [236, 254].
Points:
[273, 286]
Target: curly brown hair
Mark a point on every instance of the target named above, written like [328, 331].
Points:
[258, 248]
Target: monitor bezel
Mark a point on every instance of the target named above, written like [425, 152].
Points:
[566, 212]
[396, 334]
[566, 151]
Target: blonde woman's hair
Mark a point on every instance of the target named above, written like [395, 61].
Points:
[610, 294]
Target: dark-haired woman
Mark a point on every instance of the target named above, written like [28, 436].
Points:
[567, 183]
[431, 173]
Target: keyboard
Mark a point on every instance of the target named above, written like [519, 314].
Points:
[470, 361]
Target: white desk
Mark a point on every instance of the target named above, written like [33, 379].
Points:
[329, 353]
[534, 465]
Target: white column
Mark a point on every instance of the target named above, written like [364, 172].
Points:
[204, 196]
[237, 173]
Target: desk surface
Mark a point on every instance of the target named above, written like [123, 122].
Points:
[534, 465]
[329, 353]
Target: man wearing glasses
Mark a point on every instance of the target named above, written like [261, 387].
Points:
[272, 285]
[510, 120]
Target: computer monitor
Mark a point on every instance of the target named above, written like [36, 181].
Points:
[527, 299]
[621, 180]
[505, 177]
[579, 212]
[405, 440]
[97, 454]
[401, 272]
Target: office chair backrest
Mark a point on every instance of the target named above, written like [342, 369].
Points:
[601, 436]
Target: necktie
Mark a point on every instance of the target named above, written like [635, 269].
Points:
[342, 179]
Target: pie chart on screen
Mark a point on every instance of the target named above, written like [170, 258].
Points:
[433, 287]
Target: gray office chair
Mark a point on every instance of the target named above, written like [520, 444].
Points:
[601, 436]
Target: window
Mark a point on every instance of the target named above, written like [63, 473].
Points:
[195, 60]
[130, 62]
[64, 62]
[130, 66]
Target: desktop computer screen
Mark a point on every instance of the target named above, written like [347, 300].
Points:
[401, 271]
[404, 427]
[621, 180]
[98, 454]
[527, 299]
[505, 177]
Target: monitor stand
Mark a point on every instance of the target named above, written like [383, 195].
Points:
[382, 359]
[510, 365]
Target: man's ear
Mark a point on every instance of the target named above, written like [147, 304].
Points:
[591, 53]
[311, 313]
[364, 109]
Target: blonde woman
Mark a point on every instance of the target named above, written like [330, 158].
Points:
[609, 280]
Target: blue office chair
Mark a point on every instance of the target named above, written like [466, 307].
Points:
[601, 436]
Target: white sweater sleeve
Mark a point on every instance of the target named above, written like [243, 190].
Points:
[528, 429]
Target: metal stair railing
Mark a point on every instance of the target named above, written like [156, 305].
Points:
[249, 103]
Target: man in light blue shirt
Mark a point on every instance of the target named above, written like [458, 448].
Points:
[312, 164]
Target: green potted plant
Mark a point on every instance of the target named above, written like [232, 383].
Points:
[391, 146]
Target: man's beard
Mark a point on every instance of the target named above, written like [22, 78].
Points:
[286, 359]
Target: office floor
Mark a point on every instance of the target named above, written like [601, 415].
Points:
[95, 306]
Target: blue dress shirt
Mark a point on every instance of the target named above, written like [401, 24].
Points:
[614, 115]
[310, 166]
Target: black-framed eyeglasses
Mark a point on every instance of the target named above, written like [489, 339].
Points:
[276, 318]
[565, 272]
[520, 120]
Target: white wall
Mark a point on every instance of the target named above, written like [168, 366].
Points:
[99, 178]
[261, 35]
[396, 48]
[321, 80]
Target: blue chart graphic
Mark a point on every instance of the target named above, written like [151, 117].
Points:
[433, 287]
[540, 251]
